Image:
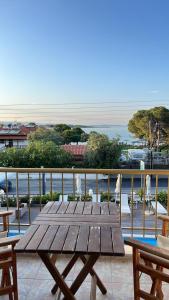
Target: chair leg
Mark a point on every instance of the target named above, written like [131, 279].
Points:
[159, 294]
[6, 281]
[136, 274]
[3, 278]
[156, 288]
[14, 274]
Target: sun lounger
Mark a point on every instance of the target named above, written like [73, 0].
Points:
[63, 198]
[125, 209]
[96, 197]
[160, 209]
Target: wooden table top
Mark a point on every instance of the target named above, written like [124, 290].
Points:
[4, 213]
[75, 227]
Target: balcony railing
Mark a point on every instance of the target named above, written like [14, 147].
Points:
[140, 218]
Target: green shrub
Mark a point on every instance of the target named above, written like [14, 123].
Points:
[45, 198]
[140, 193]
[77, 198]
[72, 198]
[162, 197]
[106, 196]
[24, 199]
[86, 197]
[11, 202]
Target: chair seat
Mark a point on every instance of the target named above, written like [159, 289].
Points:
[163, 242]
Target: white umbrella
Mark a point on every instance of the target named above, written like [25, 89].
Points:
[78, 184]
[118, 185]
[148, 193]
[148, 186]
[90, 192]
[2, 195]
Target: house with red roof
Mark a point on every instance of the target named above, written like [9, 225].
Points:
[78, 151]
[16, 136]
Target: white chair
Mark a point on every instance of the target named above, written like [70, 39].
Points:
[125, 209]
[63, 198]
[160, 209]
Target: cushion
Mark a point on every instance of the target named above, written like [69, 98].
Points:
[163, 242]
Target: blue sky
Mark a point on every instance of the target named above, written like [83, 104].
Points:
[86, 62]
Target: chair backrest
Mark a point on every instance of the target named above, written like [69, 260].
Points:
[152, 261]
[8, 267]
[5, 222]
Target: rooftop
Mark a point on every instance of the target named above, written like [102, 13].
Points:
[75, 149]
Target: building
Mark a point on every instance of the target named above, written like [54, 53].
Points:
[78, 151]
[15, 136]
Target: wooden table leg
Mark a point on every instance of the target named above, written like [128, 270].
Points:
[66, 271]
[57, 276]
[83, 273]
[93, 273]
[5, 223]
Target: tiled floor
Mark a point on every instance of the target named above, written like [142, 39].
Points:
[35, 282]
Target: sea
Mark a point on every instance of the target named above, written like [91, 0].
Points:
[114, 131]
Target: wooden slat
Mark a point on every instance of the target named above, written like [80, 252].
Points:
[37, 238]
[79, 217]
[70, 241]
[87, 208]
[59, 239]
[96, 209]
[75, 222]
[71, 207]
[113, 209]
[21, 245]
[106, 239]
[94, 240]
[62, 208]
[46, 208]
[48, 238]
[83, 218]
[54, 208]
[82, 240]
[117, 240]
[79, 208]
[105, 208]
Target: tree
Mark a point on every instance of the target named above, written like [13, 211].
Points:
[61, 127]
[101, 152]
[46, 135]
[13, 157]
[35, 155]
[67, 136]
[47, 154]
[74, 135]
[84, 137]
[151, 124]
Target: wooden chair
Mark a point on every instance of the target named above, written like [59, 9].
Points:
[5, 222]
[7, 260]
[8, 267]
[154, 262]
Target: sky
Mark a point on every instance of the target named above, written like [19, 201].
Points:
[82, 61]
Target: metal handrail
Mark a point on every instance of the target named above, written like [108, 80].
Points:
[132, 173]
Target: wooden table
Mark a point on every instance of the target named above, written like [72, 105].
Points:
[77, 228]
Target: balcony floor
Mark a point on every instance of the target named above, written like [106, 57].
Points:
[35, 282]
